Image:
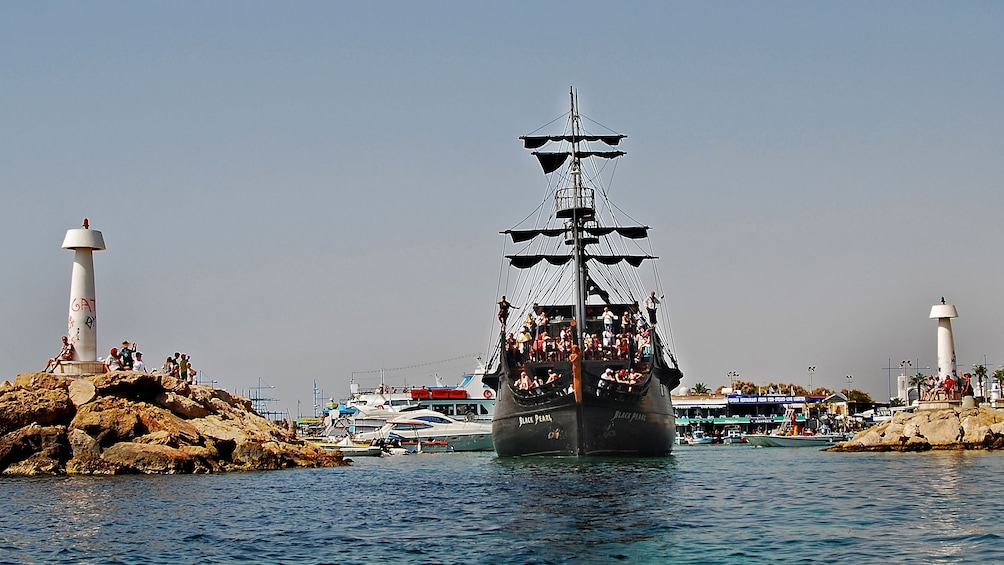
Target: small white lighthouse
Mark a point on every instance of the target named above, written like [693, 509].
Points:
[946, 344]
[82, 325]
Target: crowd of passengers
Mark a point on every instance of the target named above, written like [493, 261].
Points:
[622, 376]
[534, 343]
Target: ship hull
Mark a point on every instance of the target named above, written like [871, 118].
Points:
[639, 426]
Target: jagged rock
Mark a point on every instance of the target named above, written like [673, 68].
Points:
[21, 406]
[132, 385]
[34, 450]
[922, 430]
[129, 422]
[108, 420]
[156, 419]
[180, 405]
[81, 392]
[149, 458]
[83, 445]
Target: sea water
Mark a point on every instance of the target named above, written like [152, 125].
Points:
[704, 504]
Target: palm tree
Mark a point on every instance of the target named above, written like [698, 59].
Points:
[916, 381]
[981, 374]
[700, 388]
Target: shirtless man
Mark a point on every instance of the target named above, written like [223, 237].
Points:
[65, 354]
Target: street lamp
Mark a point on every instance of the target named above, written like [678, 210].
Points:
[733, 377]
[850, 378]
[902, 366]
[812, 369]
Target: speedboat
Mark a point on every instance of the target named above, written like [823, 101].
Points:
[780, 440]
[699, 438]
[350, 448]
[431, 428]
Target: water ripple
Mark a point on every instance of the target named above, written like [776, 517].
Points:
[703, 505]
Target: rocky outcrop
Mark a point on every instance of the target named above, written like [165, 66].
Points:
[130, 422]
[923, 430]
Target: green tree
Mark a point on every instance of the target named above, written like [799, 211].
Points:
[859, 396]
[981, 376]
[699, 388]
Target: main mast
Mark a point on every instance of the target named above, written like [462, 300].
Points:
[580, 210]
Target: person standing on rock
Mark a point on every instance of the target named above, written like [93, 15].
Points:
[183, 367]
[138, 364]
[125, 355]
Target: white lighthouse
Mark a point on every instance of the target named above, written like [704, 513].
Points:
[946, 344]
[82, 324]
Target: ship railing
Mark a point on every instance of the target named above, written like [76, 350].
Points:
[575, 202]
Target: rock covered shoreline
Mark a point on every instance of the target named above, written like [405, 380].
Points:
[936, 429]
[130, 422]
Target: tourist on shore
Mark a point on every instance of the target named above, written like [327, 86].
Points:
[183, 367]
[66, 353]
[126, 355]
[138, 364]
[168, 367]
[112, 362]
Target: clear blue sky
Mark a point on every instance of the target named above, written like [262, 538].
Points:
[301, 191]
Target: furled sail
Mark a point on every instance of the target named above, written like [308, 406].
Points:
[551, 162]
[633, 232]
[527, 261]
[537, 141]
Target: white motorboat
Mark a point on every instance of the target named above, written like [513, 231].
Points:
[431, 427]
[779, 440]
[699, 438]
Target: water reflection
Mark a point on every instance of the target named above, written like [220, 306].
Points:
[567, 505]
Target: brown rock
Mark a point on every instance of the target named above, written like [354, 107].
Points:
[108, 420]
[149, 458]
[156, 419]
[83, 445]
[127, 384]
[42, 380]
[129, 422]
[82, 391]
[949, 428]
[180, 405]
[20, 407]
[94, 466]
[44, 446]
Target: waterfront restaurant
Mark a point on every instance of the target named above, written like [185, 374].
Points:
[751, 413]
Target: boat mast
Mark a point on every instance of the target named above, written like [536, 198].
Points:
[577, 220]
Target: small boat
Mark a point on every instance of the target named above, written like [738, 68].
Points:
[787, 435]
[734, 436]
[780, 440]
[350, 448]
[433, 429]
[581, 370]
[699, 438]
